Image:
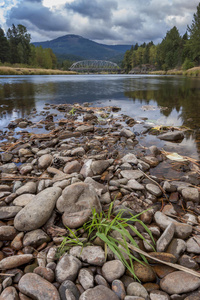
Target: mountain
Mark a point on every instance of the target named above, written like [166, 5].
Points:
[82, 48]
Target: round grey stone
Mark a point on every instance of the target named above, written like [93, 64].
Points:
[112, 270]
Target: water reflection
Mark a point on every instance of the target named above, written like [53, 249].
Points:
[175, 100]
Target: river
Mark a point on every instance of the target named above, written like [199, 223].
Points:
[159, 100]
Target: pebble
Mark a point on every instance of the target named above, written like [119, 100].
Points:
[99, 292]
[68, 285]
[15, 261]
[112, 270]
[9, 293]
[7, 233]
[93, 255]
[136, 289]
[86, 278]
[67, 268]
[165, 238]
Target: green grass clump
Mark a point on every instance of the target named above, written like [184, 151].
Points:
[102, 225]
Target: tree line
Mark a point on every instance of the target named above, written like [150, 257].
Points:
[175, 51]
[15, 48]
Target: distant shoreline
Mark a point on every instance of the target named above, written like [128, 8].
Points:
[193, 72]
[32, 71]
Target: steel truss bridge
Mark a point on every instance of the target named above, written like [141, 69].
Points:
[95, 66]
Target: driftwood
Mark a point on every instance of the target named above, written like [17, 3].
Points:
[175, 266]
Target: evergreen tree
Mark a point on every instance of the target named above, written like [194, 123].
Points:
[194, 36]
[4, 47]
[19, 41]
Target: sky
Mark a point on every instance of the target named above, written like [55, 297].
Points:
[104, 21]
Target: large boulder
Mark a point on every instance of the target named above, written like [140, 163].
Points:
[76, 202]
[36, 213]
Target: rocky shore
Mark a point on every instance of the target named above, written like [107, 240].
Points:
[50, 184]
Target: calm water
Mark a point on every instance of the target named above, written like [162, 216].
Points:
[164, 100]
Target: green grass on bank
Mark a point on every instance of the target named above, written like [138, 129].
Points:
[4, 70]
[193, 72]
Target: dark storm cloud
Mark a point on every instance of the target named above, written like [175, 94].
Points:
[94, 9]
[106, 21]
[38, 15]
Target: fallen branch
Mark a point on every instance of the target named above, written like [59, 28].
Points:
[175, 266]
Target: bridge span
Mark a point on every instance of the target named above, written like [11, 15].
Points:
[95, 66]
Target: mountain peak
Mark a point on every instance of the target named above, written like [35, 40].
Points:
[84, 48]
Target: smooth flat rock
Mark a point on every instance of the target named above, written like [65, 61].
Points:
[193, 244]
[28, 188]
[8, 168]
[9, 293]
[77, 201]
[130, 158]
[99, 292]
[7, 212]
[7, 233]
[23, 199]
[67, 268]
[86, 278]
[145, 272]
[36, 213]
[154, 189]
[181, 230]
[99, 166]
[93, 255]
[136, 289]
[165, 238]
[133, 184]
[14, 261]
[190, 194]
[45, 161]
[179, 282]
[171, 136]
[112, 270]
[132, 174]
[35, 238]
[70, 286]
[72, 166]
[36, 287]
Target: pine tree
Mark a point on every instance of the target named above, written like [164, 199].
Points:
[4, 47]
[194, 36]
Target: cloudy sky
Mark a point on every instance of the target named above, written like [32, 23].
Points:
[105, 21]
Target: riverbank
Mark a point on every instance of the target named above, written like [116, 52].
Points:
[88, 159]
[193, 72]
[32, 71]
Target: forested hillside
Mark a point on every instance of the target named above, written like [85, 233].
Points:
[175, 51]
[17, 49]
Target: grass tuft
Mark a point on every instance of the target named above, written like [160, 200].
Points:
[102, 225]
